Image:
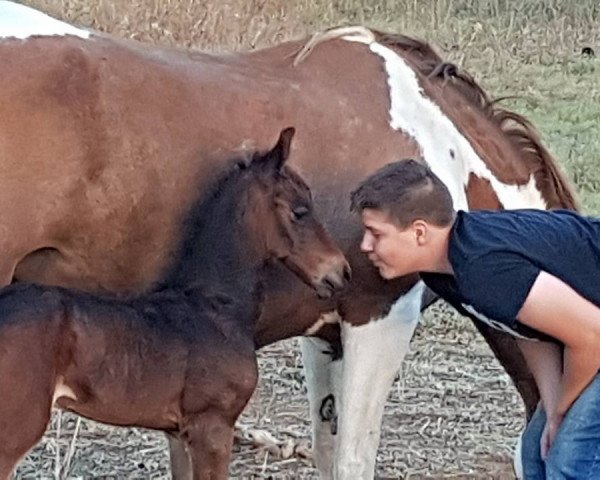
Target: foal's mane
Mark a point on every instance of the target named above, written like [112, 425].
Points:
[211, 250]
[517, 129]
[201, 221]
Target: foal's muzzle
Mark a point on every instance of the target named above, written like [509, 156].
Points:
[337, 275]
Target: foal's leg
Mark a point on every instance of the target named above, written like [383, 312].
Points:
[209, 439]
[373, 354]
[181, 466]
[21, 428]
[25, 410]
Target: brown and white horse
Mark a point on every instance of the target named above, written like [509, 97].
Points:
[103, 141]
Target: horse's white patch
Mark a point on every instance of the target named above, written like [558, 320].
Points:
[494, 323]
[62, 390]
[325, 319]
[373, 354]
[437, 136]
[19, 21]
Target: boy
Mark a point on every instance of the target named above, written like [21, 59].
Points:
[534, 274]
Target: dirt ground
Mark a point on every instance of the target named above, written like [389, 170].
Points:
[454, 415]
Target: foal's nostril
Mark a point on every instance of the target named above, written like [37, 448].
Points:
[347, 273]
[329, 283]
[325, 288]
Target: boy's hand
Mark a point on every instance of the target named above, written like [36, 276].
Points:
[549, 434]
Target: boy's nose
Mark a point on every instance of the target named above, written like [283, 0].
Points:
[366, 244]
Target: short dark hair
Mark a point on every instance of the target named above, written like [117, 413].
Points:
[407, 190]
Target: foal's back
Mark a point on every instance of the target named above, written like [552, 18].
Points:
[143, 361]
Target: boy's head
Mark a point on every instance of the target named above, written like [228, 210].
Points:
[404, 207]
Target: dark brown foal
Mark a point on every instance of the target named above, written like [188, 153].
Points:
[180, 359]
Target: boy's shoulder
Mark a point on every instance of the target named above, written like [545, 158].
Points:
[497, 236]
[503, 224]
[523, 214]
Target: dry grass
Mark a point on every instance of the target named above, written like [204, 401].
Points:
[455, 413]
[523, 28]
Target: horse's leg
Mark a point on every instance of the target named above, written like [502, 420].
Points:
[508, 354]
[181, 466]
[322, 370]
[372, 356]
[209, 438]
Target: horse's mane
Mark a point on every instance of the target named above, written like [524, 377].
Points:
[518, 130]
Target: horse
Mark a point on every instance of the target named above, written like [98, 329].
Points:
[89, 119]
[180, 359]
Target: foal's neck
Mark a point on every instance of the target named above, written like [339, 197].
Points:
[218, 250]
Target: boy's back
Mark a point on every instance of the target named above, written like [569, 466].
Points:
[496, 257]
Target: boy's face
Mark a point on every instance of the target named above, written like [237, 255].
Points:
[391, 249]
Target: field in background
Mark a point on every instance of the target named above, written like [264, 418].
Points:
[454, 414]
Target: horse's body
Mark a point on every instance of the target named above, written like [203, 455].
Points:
[102, 142]
[182, 359]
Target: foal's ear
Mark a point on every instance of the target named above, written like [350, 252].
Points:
[276, 158]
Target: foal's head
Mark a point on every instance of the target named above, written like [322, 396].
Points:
[281, 217]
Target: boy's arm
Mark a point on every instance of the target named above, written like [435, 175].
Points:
[554, 308]
[544, 359]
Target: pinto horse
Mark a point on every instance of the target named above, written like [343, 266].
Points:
[181, 359]
[88, 124]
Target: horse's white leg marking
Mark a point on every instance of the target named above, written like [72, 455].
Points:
[62, 390]
[372, 356]
[19, 21]
[323, 374]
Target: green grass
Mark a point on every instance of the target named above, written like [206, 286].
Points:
[563, 101]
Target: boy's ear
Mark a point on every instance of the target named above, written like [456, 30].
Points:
[420, 230]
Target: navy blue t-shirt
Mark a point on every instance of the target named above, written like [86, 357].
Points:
[497, 255]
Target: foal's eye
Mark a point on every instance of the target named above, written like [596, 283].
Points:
[299, 212]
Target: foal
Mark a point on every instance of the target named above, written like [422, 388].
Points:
[180, 359]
